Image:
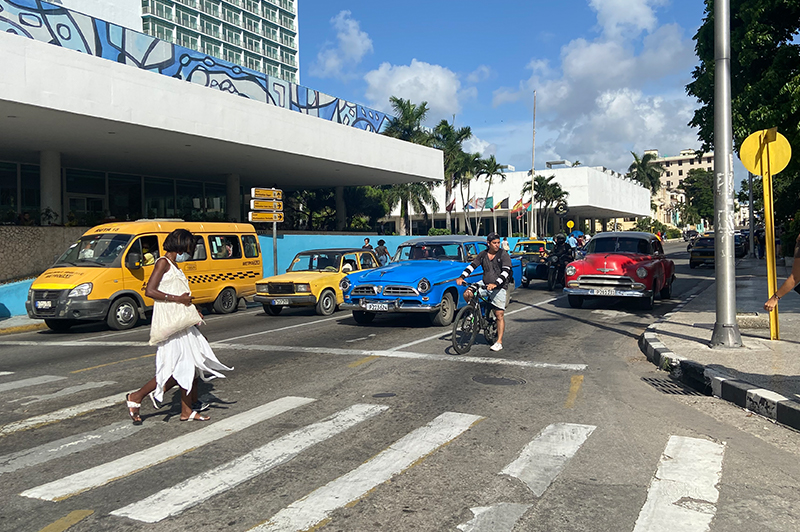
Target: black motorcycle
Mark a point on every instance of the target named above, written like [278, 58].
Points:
[556, 274]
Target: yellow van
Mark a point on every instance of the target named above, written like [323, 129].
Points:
[102, 277]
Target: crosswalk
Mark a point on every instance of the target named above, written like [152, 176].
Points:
[682, 495]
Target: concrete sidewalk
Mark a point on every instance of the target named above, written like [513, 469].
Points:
[764, 375]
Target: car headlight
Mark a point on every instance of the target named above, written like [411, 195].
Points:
[424, 286]
[82, 290]
[344, 284]
[641, 272]
[262, 288]
[302, 287]
[571, 270]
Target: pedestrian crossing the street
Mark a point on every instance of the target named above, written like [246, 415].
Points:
[682, 495]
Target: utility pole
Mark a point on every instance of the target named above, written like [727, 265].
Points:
[533, 225]
[726, 329]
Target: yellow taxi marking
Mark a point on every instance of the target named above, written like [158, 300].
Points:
[112, 363]
[574, 387]
[362, 361]
[66, 522]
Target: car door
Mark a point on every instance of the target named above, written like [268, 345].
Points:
[147, 249]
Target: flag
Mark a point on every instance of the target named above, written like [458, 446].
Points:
[518, 206]
[502, 204]
[523, 208]
[470, 204]
[489, 202]
[480, 202]
[450, 207]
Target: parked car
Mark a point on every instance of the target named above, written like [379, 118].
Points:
[312, 280]
[532, 254]
[740, 246]
[621, 264]
[702, 251]
[420, 279]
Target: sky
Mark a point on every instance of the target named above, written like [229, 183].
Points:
[610, 75]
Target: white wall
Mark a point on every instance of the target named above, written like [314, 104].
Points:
[126, 13]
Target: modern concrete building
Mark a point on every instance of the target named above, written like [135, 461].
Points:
[100, 121]
[676, 169]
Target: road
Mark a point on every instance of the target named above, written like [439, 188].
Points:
[327, 423]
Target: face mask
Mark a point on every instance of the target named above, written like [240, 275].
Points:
[183, 257]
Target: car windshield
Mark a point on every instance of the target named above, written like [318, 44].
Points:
[429, 252]
[704, 243]
[95, 251]
[620, 244]
[315, 262]
[529, 247]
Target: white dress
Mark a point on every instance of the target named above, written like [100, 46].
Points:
[185, 355]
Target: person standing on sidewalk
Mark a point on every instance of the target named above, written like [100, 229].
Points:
[790, 283]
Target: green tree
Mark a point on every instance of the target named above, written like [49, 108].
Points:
[765, 82]
[406, 124]
[490, 168]
[646, 171]
[449, 139]
[547, 195]
[416, 196]
[699, 189]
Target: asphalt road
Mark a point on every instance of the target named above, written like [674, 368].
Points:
[382, 428]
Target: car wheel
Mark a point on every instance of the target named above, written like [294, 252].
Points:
[692, 265]
[524, 283]
[59, 325]
[551, 280]
[575, 301]
[647, 303]
[123, 314]
[446, 313]
[363, 318]
[272, 310]
[666, 292]
[226, 301]
[326, 304]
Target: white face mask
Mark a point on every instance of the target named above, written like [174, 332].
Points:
[182, 257]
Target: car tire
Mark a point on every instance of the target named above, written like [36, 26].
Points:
[326, 304]
[647, 303]
[60, 326]
[666, 291]
[123, 314]
[692, 265]
[524, 283]
[575, 301]
[551, 280]
[272, 310]
[447, 311]
[226, 301]
[362, 317]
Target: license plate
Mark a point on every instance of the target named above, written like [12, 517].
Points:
[44, 304]
[377, 307]
[282, 301]
[603, 292]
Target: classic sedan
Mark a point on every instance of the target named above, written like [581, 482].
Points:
[420, 279]
[621, 264]
[702, 251]
[312, 280]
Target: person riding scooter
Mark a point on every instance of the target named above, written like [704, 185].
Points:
[557, 261]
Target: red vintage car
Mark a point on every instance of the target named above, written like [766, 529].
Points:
[621, 264]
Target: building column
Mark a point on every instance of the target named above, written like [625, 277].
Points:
[233, 203]
[50, 183]
[341, 209]
[604, 224]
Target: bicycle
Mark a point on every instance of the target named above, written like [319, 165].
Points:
[476, 316]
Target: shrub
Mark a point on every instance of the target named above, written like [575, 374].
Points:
[438, 231]
[673, 233]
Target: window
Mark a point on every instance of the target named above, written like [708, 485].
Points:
[225, 247]
[680, 172]
[146, 248]
[669, 174]
[250, 244]
[669, 184]
[680, 163]
[30, 188]
[125, 196]
[667, 164]
[691, 162]
[708, 159]
[367, 261]
[709, 168]
[199, 249]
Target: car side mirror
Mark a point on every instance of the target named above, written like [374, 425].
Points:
[133, 261]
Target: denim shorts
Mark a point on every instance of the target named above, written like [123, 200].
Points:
[497, 297]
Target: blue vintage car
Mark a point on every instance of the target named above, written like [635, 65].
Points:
[421, 278]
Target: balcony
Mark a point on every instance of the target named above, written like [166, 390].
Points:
[190, 3]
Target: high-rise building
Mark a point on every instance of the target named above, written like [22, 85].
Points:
[676, 169]
[261, 35]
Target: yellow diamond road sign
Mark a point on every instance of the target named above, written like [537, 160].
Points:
[266, 205]
[266, 193]
[265, 216]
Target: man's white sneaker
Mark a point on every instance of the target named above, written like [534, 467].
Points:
[496, 347]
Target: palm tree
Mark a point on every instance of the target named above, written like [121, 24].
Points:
[406, 124]
[466, 167]
[413, 196]
[449, 139]
[490, 168]
[547, 195]
[646, 171]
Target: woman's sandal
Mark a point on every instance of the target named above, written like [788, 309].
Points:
[196, 417]
[156, 403]
[137, 420]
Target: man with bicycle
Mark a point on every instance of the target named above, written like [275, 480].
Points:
[496, 265]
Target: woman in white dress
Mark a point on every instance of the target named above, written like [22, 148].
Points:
[186, 355]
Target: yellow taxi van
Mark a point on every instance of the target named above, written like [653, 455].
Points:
[103, 275]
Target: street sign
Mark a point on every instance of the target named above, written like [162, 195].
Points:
[266, 205]
[266, 193]
[570, 225]
[561, 209]
[265, 216]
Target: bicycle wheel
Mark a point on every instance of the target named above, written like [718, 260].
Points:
[490, 328]
[465, 329]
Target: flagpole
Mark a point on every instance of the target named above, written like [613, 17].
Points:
[532, 224]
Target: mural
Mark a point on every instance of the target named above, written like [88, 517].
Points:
[53, 24]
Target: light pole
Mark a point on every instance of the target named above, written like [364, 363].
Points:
[532, 226]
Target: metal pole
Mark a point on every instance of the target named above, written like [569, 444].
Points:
[726, 330]
[275, 247]
[752, 217]
[532, 225]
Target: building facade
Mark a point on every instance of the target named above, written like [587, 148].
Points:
[676, 168]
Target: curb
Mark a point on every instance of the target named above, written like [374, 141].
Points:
[764, 402]
[23, 328]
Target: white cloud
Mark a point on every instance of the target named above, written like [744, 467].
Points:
[419, 81]
[476, 145]
[337, 61]
[618, 17]
[482, 73]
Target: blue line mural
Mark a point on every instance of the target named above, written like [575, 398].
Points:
[56, 25]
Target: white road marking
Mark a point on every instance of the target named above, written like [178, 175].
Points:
[359, 339]
[127, 465]
[305, 324]
[62, 393]
[33, 381]
[683, 493]
[70, 343]
[496, 518]
[66, 446]
[543, 459]
[315, 507]
[447, 331]
[193, 491]
[399, 354]
[4, 373]
[60, 415]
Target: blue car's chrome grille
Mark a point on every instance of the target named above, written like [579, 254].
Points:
[400, 291]
[366, 290]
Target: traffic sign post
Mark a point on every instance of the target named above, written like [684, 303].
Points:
[274, 217]
[267, 206]
[766, 153]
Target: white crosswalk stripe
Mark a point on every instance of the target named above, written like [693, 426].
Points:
[62, 393]
[4, 373]
[312, 509]
[193, 491]
[105, 473]
[61, 415]
[33, 381]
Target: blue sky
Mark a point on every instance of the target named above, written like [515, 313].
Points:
[610, 75]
